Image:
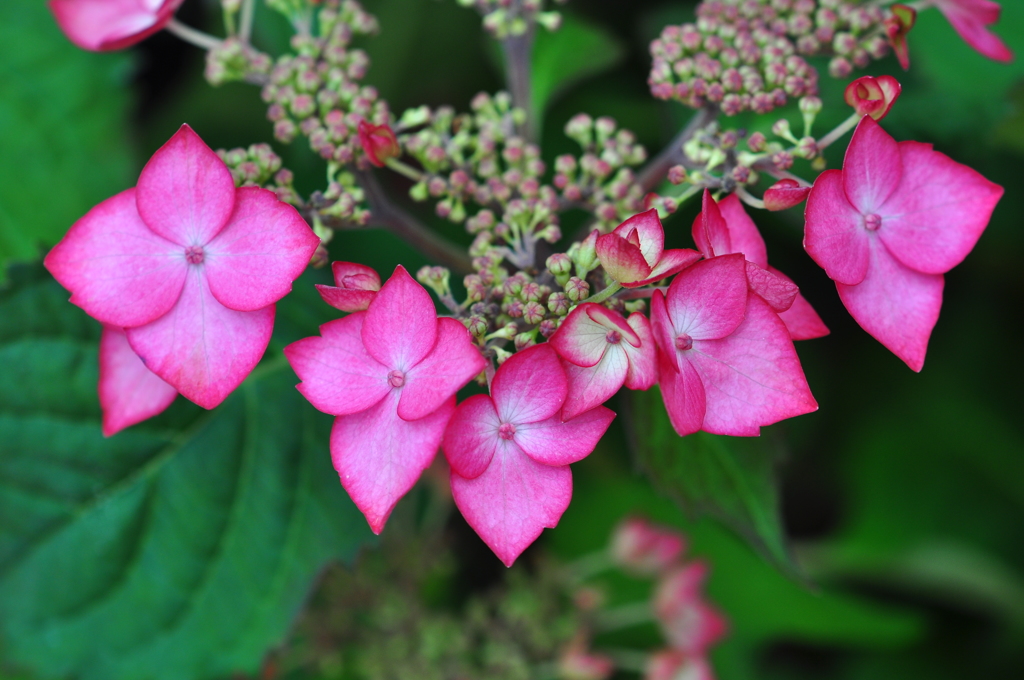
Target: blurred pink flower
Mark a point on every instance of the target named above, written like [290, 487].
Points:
[643, 548]
[969, 18]
[101, 25]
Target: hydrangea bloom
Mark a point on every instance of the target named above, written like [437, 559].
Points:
[355, 286]
[189, 265]
[726, 363]
[601, 352]
[129, 392]
[100, 25]
[969, 18]
[634, 253]
[689, 623]
[390, 375]
[510, 452]
[645, 549]
[887, 227]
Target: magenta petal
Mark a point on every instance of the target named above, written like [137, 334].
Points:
[743, 234]
[511, 503]
[593, 385]
[643, 360]
[777, 291]
[753, 377]
[529, 386]
[932, 221]
[896, 305]
[557, 442]
[710, 231]
[672, 262]
[471, 437]
[111, 24]
[129, 392]
[708, 300]
[345, 299]
[683, 394]
[201, 347]
[453, 362]
[622, 260]
[355, 275]
[784, 194]
[338, 375]
[117, 270]
[834, 234]
[801, 319]
[583, 336]
[664, 334]
[649, 231]
[265, 245]
[401, 323]
[872, 168]
[379, 456]
[969, 19]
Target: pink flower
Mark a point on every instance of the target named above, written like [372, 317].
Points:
[601, 352]
[897, 26]
[189, 266]
[785, 194]
[725, 228]
[101, 25]
[379, 142]
[644, 548]
[510, 452]
[873, 96]
[969, 18]
[634, 253]
[129, 392]
[577, 663]
[390, 374]
[673, 664]
[726, 363]
[888, 226]
[689, 623]
[355, 286]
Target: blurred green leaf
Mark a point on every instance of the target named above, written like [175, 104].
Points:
[63, 115]
[156, 553]
[729, 478]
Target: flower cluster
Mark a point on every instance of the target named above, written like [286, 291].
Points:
[504, 18]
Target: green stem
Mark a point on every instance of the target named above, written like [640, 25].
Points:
[606, 293]
[188, 34]
[624, 616]
[840, 130]
[403, 169]
[245, 24]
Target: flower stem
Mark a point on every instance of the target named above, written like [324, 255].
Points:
[517, 50]
[606, 293]
[404, 169]
[624, 616]
[656, 171]
[747, 198]
[840, 130]
[640, 293]
[245, 23]
[188, 34]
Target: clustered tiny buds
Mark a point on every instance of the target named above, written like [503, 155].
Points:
[511, 18]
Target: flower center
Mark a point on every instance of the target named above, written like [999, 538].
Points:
[506, 430]
[614, 337]
[396, 378]
[194, 254]
[872, 222]
[684, 341]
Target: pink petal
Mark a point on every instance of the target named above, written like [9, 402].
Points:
[710, 231]
[784, 194]
[622, 260]
[896, 305]
[529, 386]
[185, 193]
[201, 347]
[593, 385]
[872, 168]
[511, 503]
[743, 233]
[643, 360]
[777, 291]
[355, 275]
[650, 232]
[672, 262]
[801, 319]
[583, 337]
[111, 24]
[708, 300]
[117, 270]
[557, 442]
[834, 234]
[753, 377]
[129, 392]
[471, 437]
[338, 375]
[345, 299]
[664, 334]
[970, 19]
[453, 362]
[683, 394]
[265, 245]
[937, 214]
[401, 323]
[379, 456]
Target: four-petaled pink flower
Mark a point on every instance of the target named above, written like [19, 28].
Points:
[129, 392]
[601, 351]
[888, 226]
[634, 253]
[725, 228]
[355, 286]
[726, 363]
[101, 25]
[189, 266]
[969, 18]
[510, 452]
[873, 97]
[689, 623]
[390, 374]
[379, 142]
[645, 549]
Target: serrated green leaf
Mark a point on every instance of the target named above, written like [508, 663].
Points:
[63, 113]
[729, 478]
[157, 553]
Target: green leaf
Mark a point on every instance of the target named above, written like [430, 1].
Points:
[730, 478]
[63, 114]
[157, 553]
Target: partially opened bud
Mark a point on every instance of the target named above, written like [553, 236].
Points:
[896, 28]
[785, 194]
[379, 142]
[873, 96]
[355, 287]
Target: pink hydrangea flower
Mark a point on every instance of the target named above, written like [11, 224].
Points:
[634, 253]
[129, 392]
[101, 25]
[688, 622]
[355, 286]
[888, 226]
[726, 362]
[510, 452]
[390, 375]
[725, 228]
[674, 664]
[601, 351]
[189, 265]
[969, 18]
[873, 97]
[645, 549]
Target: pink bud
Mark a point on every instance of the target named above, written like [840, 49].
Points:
[873, 96]
[643, 548]
[785, 194]
[379, 142]
[355, 287]
[896, 28]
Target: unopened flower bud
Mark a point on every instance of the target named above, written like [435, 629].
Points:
[586, 255]
[873, 96]
[548, 327]
[476, 325]
[677, 174]
[757, 142]
[558, 303]
[577, 289]
[533, 312]
[379, 142]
